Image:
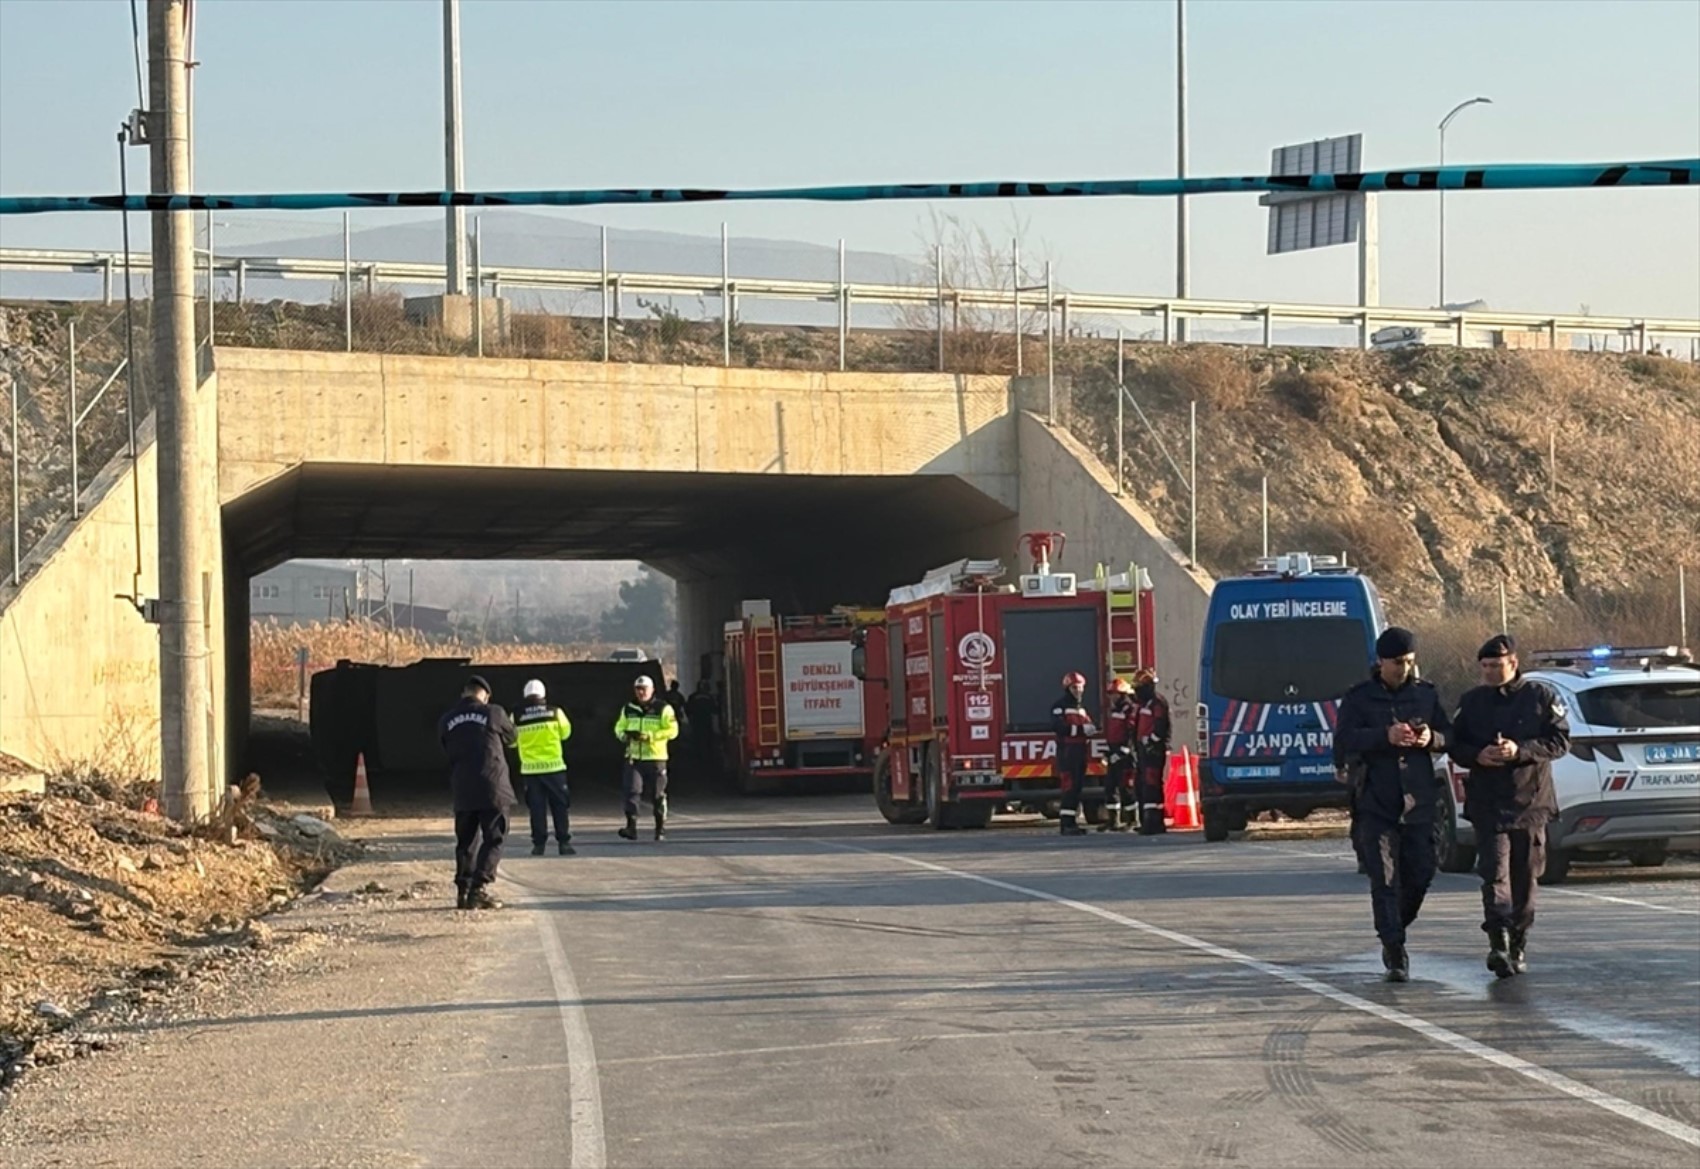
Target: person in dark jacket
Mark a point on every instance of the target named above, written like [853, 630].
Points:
[1152, 728]
[476, 734]
[1119, 774]
[1071, 722]
[1508, 732]
[1393, 724]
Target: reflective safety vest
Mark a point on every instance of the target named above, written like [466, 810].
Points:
[654, 726]
[542, 730]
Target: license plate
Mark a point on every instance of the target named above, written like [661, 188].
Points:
[1681, 753]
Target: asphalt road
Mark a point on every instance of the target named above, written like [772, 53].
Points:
[793, 983]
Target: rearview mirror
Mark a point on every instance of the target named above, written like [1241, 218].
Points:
[859, 662]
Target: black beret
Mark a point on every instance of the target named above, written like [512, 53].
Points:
[1497, 646]
[1395, 642]
[477, 682]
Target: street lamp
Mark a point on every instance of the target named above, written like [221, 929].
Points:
[1444, 122]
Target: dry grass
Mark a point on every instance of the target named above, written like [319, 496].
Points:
[272, 648]
[1321, 396]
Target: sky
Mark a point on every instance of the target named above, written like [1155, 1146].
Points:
[347, 94]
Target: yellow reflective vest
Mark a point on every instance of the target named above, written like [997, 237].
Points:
[542, 729]
[653, 725]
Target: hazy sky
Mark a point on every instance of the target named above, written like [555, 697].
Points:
[317, 95]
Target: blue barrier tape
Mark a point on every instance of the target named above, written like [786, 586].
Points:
[1499, 177]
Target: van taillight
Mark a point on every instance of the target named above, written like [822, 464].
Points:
[1203, 729]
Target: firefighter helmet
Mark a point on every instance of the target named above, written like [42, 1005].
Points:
[1120, 685]
[1073, 678]
[1143, 675]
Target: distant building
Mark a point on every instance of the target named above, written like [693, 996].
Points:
[293, 594]
[300, 594]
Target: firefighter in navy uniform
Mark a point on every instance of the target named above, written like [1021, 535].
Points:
[1152, 729]
[1072, 723]
[1391, 727]
[646, 725]
[1507, 732]
[475, 734]
[1119, 798]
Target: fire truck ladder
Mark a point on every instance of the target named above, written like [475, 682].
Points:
[764, 649]
[1121, 600]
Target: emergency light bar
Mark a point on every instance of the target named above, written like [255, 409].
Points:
[1299, 564]
[1602, 656]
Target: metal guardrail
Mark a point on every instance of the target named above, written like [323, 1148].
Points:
[1457, 326]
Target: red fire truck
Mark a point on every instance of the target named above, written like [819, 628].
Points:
[795, 711]
[975, 667]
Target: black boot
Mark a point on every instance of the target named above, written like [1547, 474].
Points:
[1071, 827]
[629, 832]
[537, 849]
[1112, 819]
[1499, 952]
[566, 849]
[480, 899]
[660, 826]
[1397, 962]
[1518, 950]
[463, 897]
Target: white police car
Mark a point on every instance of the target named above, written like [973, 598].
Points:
[1630, 785]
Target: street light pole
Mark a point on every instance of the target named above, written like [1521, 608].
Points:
[1444, 122]
[1183, 261]
[453, 159]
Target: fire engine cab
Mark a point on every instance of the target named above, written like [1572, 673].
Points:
[972, 669]
[795, 711]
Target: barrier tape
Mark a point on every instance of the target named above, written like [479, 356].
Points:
[1495, 177]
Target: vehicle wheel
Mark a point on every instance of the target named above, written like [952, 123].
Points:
[1092, 811]
[1649, 856]
[894, 812]
[938, 812]
[1238, 818]
[1052, 810]
[1215, 823]
[1558, 866]
[1449, 855]
[973, 814]
[1300, 812]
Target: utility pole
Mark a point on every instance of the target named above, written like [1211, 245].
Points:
[453, 176]
[1183, 261]
[185, 686]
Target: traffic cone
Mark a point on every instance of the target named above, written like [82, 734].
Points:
[362, 805]
[1180, 792]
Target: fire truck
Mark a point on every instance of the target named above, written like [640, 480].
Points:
[973, 668]
[794, 709]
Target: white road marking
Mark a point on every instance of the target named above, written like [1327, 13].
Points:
[1645, 1117]
[1621, 900]
[584, 1087]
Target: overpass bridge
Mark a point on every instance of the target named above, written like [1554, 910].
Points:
[810, 488]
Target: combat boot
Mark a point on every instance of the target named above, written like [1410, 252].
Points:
[1499, 952]
[463, 897]
[1112, 818]
[1397, 962]
[1070, 827]
[566, 849]
[1518, 951]
[480, 899]
[660, 826]
[537, 850]
[629, 832]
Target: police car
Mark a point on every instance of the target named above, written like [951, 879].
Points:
[1630, 785]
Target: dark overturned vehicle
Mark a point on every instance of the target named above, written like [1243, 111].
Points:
[389, 715]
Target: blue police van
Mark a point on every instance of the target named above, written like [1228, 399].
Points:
[1282, 645]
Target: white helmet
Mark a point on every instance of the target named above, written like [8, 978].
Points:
[534, 688]
[644, 682]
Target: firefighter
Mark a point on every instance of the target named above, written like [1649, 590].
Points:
[1073, 726]
[1119, 774]
[646, 725]
[543, 728]
[474, 733]
[1151, 733]
[1507, 732]
[1391, 726]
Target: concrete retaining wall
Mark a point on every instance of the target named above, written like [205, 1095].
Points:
[1064, 488]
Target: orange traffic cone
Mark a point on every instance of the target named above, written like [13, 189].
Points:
[1180, 792]
[362, 805]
